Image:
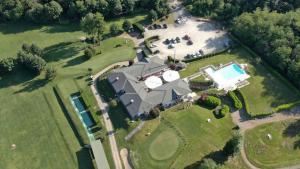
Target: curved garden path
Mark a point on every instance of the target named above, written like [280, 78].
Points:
[245, 123]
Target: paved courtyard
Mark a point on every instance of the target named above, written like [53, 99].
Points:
[205, 36]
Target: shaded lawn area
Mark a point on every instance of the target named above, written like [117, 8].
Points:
[31, 115]
[281, 151]
[202, 138]
[33, 120]
[267, 89]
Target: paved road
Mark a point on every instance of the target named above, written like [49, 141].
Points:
[243, 121]
[104, 109]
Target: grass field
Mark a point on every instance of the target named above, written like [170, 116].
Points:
[31, 116]
[197, 139]
[281, 151]
[267, 89]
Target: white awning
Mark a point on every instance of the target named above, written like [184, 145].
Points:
[171, 75]
[153, 82]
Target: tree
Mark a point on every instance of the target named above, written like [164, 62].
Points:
[154, 112]
[89, 52]
[6, 65]
[50, 73]
[232, 147]
[36, 13]
[114, 29]
[32, 62]
[129, 5]
[52, 10]
[208, 163]
[93, 25]
[153, 15]
[34, 49]
[127, 25]
[117, 7]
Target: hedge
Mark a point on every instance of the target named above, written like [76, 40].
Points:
[236, 101]
[206, 56]
[244, 101]
[139, 27]
[72, 117]
[225, 110]
[211, 102]
[149, 40]
[286, 106]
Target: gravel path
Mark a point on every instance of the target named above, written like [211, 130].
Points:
[126, 158]
[104, 109]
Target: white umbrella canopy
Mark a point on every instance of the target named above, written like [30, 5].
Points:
[153, 82]
[171, 75]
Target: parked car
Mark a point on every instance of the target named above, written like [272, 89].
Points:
[167, 41]
[171, 46]
[165, 26]
[190, 42]
[201, 52]
[159, 27]
[177, 39]
[186, 37]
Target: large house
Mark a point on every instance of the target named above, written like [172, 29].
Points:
[139, 96]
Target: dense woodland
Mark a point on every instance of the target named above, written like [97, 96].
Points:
[45, 11]
[270, 27]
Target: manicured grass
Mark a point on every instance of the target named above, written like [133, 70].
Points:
[267, 89]
[164, 145]
[280, 151]
[32, 118]
[199, 138]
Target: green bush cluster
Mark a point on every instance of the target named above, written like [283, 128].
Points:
[236, 101]
[89, 52]
[244, 100]
[211, 101]
[139, 27]
[224, 110]
[286, 106]
[7, 65]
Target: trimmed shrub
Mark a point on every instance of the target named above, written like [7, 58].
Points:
[31, 62]
[210, 101]
[114, 29]
[139, 27]
[127, 25]
[113, 103]
[288, 106]
[154, 112]
[89, 52]
[244, 100]
[225, 110]
[236, 101]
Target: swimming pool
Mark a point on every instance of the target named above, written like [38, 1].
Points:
[83, 114]
[230, 72]
[228, 77]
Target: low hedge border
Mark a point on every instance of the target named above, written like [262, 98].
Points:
[243, 100]
[71, 115]
[236, 101]
[207, 55]
[287, 106]
[139, 27]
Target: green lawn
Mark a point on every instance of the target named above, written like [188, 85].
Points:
[281, 151]
[185, 133]
[267, 89]
[31, 116]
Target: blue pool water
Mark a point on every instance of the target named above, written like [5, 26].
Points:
[231, 71]
[85, 116]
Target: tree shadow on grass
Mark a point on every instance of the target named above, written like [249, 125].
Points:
[32, 85]
[293, 129]
[217, 156]
[75, 61]
[61, 28]
[84, 159]
[61, 51]
[14, 28]
[17, 77]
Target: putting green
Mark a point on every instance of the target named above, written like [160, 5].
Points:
[164, 146]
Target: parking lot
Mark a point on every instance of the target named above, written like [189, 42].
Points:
[194, 36]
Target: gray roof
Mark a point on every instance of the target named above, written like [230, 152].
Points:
[135, 95]
[99, 154]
